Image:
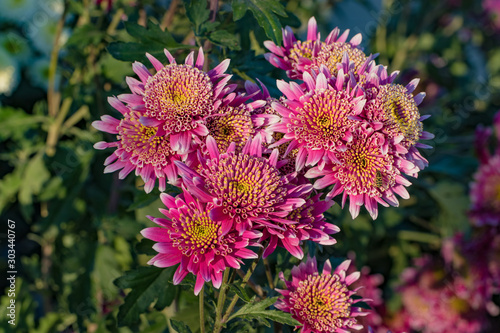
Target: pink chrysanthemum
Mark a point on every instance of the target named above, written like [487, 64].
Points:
[321, 302]
[317, 119]
[178, 98]
[200, 245]
[297, 57]
[394, 106]
[485, 194]
[365, 172]
[139, 148]
[306, 222]
[246, 187]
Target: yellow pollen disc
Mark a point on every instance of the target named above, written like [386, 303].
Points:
[324, 121]
[201, 231]
[402, 111]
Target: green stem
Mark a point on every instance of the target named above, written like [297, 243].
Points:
[269, 274]
[202, 313]
[52, 97]
[220, 301]
[220, 323]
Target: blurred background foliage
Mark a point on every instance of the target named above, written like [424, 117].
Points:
[78, 245]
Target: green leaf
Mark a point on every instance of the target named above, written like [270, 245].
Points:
[225, 38]
[258, 311]
[35, 175]
[147, 284]
[197, 12]
[264, 12]
[151, 39]
[166, 298]
[240, 291]
[179, 326]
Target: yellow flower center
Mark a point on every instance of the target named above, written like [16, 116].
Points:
[322, 301]
[201, 232]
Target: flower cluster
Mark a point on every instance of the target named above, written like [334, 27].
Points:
[348, 121]
[189, 128]
[251, 167]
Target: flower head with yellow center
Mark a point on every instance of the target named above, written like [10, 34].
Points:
[297, 57]
[317, 119]
[178, 97]
[394, 109]
[200, 245]
[321, 302]
[247, 188]
[365, 172]
[139, 148]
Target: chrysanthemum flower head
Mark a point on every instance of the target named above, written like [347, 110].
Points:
[394, 106]
[317, 118]
[139, 148]
[297, 57]
[200, 245]
[321, 302]
[179, 97]
[365, 172]
[306, 222]
[246, 187]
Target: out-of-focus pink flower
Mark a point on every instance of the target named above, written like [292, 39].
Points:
[485, 194]
[321, 302]
[433, 300]
[493, 9]
[200, 245]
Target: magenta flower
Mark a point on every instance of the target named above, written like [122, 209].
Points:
[485, 194]
[306, 222]
[321, 302]
[245, 187]
[139, 148]
[394, 106]
[297, 57]
[317, 120]
[365, 172]
[178, 98]
[200, 245]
